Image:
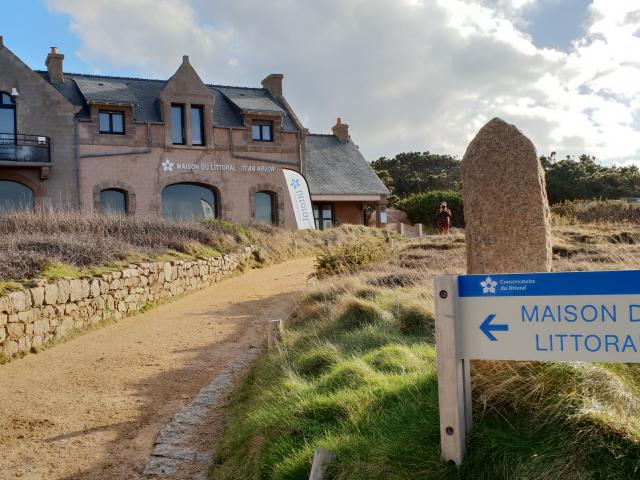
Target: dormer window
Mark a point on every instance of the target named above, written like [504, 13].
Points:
[262, 131]
[111, 122]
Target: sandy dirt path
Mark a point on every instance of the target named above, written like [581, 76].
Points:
[91, 408]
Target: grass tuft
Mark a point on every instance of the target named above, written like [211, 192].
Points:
[356, 313]
[317, 360]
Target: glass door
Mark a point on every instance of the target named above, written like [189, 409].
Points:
[323, 215]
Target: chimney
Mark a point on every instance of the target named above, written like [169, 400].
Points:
[273, 83]
[341, 130]
[54, 66]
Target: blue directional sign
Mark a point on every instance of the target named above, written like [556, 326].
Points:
[587, 316]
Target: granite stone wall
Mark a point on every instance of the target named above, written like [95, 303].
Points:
[48, 311]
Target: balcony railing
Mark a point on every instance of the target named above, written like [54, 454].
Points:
[18, 147]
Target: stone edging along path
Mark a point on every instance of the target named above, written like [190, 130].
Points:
[50, 311]
[172, 447]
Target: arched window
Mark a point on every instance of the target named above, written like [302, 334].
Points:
[189, 201]
[15, 196]
[113, 201]
[7, 119]
[264, 206]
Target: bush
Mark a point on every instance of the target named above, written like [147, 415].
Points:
[422, 207]
[349, 257]
[598, 211]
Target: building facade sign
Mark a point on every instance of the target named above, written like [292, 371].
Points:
[170, 166]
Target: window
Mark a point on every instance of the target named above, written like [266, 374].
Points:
[7, 119]
[188, 201]
[177, 124]
[15, 196]
[197, 126]
[323, 215]
[111, 122]
[264, 204]
[262, 131]
[113, 201]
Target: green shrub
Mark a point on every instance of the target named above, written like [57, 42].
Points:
[349, 257]
[359, 313]
[416, 319]
[422, 207]
[317, 360]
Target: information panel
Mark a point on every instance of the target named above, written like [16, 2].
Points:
[571, 316]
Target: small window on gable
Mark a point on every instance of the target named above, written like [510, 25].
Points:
[262, 131]
[111, 122]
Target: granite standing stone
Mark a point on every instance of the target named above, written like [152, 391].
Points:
[505, 203]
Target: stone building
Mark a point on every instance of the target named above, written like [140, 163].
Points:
[178, 148]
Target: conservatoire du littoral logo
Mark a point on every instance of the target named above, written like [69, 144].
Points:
[488, 285]
[167, 166]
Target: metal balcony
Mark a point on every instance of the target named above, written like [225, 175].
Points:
[24, 149]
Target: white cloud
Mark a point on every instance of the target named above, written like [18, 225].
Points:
[410, 75]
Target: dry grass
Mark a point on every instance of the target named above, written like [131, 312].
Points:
[597, 211]
[32, 244]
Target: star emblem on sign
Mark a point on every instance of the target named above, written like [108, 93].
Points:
[295, 183]
[488, 285]
[167, 165]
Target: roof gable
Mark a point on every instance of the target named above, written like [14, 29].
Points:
[184, 82]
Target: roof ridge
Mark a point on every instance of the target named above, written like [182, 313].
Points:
[213, 85]
[92, 75]
[321, 135]
[118, 77]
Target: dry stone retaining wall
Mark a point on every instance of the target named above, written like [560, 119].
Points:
[48, 311]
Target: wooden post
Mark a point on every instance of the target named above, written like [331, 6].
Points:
[419, 230]
[451, 375]
[275, 333]
[321, 461]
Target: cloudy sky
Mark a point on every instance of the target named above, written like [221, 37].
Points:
[405, 74]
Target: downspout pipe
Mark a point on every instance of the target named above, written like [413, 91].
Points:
[78, 175]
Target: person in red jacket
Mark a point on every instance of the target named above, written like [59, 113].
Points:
[443, 219]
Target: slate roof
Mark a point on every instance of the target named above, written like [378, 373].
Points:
[339, 168]
[333, 167]
[229, 102]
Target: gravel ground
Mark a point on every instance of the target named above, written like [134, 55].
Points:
[92, 408]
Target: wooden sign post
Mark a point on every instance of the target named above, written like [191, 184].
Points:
[560, 316]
